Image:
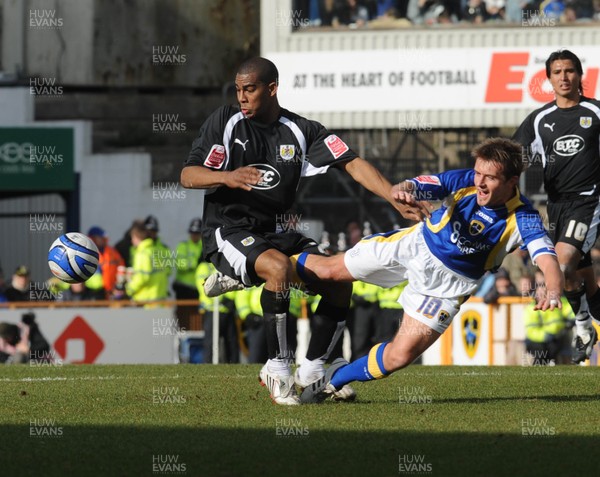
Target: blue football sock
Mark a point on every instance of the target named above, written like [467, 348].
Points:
[367, 368]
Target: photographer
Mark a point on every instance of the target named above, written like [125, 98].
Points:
[23, 342]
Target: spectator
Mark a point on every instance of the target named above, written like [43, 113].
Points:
[502, 287]
[188, 255]
[390, 315]
[102, 284]
[552, 8]
[148, 280]
[517, 264]
[495, 10]
[124, 246]
[78, 292]
[475, 12]
[366, 310]
[19, 289]
[351, 13]
[160, 250]
[547, 332]
[227, 325]
[247, 303]
[23, 342]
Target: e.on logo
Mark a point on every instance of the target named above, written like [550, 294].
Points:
[78, 332]
[507, 78]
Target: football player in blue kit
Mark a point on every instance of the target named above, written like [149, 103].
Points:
[564, 136]
[250, 159]
[483, 217]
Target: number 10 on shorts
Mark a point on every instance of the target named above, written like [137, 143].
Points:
[430, 307]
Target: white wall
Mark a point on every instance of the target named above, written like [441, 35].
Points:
[116, 189]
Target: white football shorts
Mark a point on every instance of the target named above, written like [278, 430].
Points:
[434, 292]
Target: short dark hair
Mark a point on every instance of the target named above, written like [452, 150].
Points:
[565, 55]
[265, 69]
[507, 153]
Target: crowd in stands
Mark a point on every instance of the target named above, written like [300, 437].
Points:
[399, 13]
[139, 267]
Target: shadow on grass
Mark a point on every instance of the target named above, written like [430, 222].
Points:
[491, 399]
[218, 452]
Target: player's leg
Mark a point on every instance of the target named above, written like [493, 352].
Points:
[412, 339]
[576, 230]
[252, 259]
[275, 269]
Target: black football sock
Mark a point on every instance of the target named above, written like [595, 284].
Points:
[594, 305]
[275, 307]
[327, 327]
[575, 298]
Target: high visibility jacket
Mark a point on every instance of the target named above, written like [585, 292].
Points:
[366, 291]
[188, 255]
[106, 274]
[248, 301]
[203, 271]
[388, 297]
[149, 280]
[165, 256]
[540, 325]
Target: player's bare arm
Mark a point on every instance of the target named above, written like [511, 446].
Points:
[197, 177]
[371, 179]
[555, 283]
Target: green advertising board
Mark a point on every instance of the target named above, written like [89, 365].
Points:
[37, 159]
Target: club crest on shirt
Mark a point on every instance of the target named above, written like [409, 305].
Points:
[336, 146]
[287, 152]
[476, 227]
[585, 121]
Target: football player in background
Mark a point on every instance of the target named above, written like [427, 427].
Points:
[564, 136]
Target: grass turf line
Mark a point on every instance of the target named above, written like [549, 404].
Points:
[217, 421]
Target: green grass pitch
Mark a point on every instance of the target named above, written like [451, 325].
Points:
[216, 421]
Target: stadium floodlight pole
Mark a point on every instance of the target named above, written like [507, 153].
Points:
[215, 331]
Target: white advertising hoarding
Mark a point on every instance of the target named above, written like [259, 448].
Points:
[422, 79]
[106, 335]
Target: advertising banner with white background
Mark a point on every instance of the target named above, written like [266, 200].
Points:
[106, 335]
[422, 79]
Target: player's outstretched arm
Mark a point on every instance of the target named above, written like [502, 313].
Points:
[404, 193]
[371, 179]
[555, 282]
[198, 177]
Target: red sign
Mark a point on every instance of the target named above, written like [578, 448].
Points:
[507, 77]
[79, 329]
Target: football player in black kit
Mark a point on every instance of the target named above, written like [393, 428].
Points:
[250, 159]
[564, 135]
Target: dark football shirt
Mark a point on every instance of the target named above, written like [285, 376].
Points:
[290, 148]
[567, 143]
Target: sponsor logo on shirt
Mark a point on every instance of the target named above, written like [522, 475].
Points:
[484, 216]
[216, 157]
[585, 122]
[270, 177]
[247, 241]
[568, 145]
[336, 146]
[428, 180]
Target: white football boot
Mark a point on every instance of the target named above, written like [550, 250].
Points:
[281, 387]
[347, 393]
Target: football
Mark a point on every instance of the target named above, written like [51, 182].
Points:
[73, 258]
